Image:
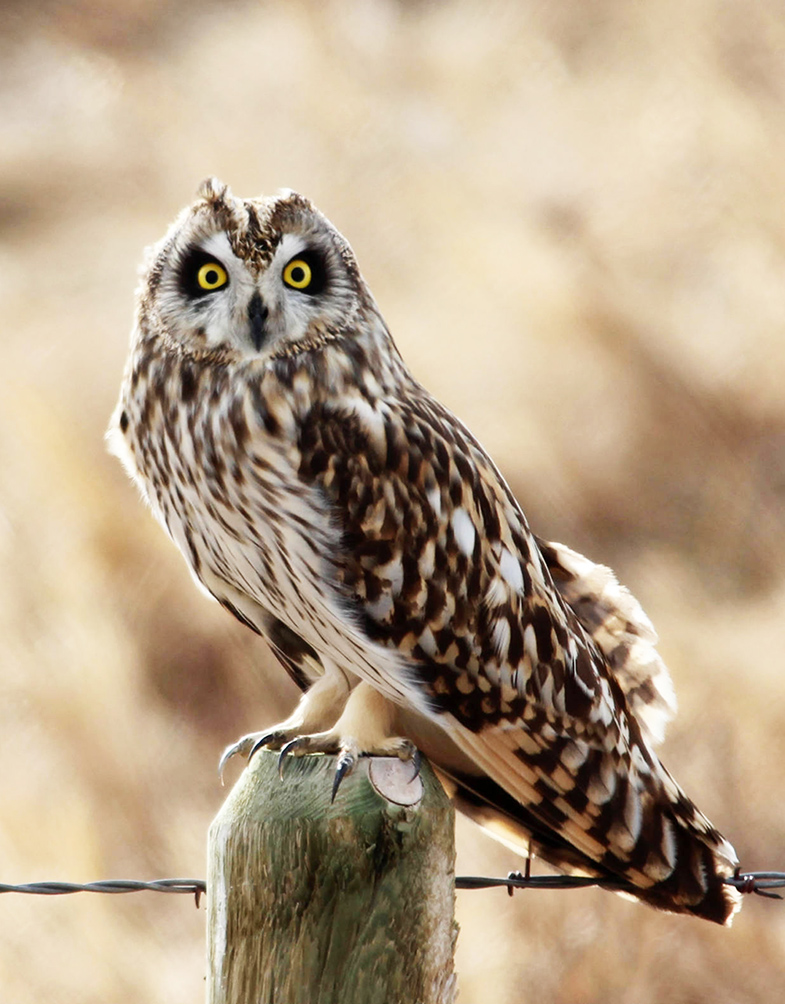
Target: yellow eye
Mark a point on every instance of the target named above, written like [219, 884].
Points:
[298, 274]
[212, 276]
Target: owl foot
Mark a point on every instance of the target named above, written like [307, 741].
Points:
[327, 722]
[403, 749]
[279, 737]
[366, 727]
[347, 761]
[349, 751]
[319, 708]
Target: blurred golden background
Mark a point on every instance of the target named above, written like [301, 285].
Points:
[572, 214]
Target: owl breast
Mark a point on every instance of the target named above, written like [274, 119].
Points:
[216, 451]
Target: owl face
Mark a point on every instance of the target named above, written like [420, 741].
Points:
[251, 278]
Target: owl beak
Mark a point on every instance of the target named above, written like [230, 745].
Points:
[257, 318]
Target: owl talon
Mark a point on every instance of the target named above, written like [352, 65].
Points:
[268, 740]
[288, 748]
[346, 764]
[323, 742]
[226, 756]
[243, 747]
[249, 745]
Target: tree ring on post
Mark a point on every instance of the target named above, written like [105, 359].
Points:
[396, 780]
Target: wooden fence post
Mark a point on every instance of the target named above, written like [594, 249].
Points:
[313, 902]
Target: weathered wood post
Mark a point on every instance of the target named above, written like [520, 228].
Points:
[313, 902]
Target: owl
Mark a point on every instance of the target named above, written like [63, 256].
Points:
[322, 496]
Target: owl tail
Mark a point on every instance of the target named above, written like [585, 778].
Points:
[677, 863]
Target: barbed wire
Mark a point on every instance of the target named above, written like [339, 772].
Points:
[757, 883]
[195, 887]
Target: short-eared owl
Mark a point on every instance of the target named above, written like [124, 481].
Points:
[323, 496]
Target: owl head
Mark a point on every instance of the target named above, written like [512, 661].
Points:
[244, 278]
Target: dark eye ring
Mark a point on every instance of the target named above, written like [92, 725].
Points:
[201, 274]
[305, 273]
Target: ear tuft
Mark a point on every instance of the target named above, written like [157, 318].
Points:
[213, 190]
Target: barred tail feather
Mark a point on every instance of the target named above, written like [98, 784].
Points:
[646, 840]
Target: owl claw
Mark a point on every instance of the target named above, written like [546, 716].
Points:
[346, 764]
[290, 747]
[226, 756]
[248, 746]
[261, 741]
[241, 747]
[403, 749]
[321, 742]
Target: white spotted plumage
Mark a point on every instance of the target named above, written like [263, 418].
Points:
[331, 504]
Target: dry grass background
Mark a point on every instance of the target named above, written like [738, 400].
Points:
[573, 216]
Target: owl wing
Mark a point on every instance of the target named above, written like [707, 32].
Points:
[615, 621]
[536, 662]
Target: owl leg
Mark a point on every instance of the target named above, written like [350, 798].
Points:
[364, 728]
[319, 708]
